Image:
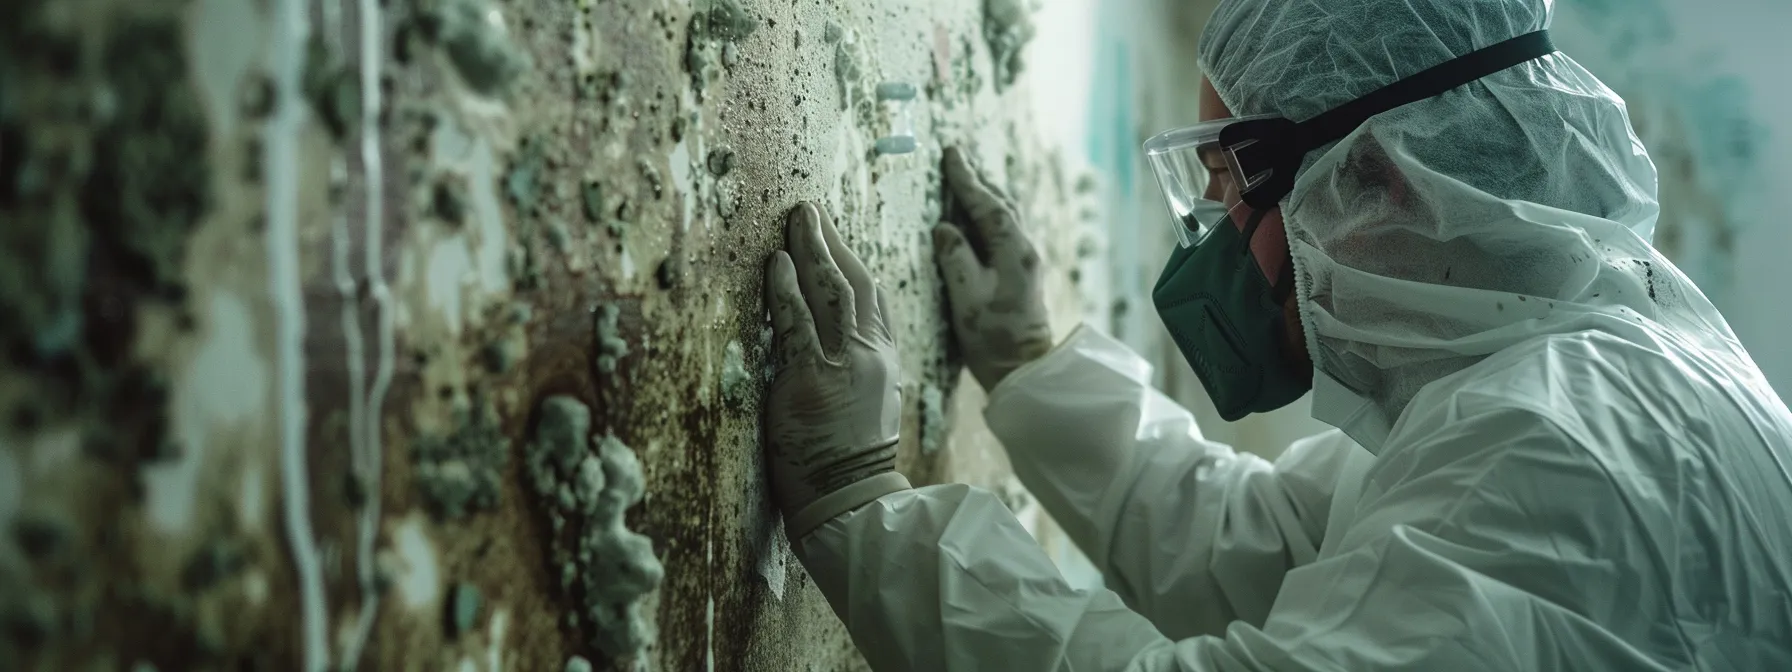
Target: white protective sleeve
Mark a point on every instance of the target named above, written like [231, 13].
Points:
[1536, 555]
[1196, 536]
[1190, 534]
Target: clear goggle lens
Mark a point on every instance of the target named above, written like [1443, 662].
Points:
[1191, 172]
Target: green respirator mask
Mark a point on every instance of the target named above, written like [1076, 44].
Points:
[1221, 306]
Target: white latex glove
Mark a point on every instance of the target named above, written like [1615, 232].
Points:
[992, 279]
[834, 410]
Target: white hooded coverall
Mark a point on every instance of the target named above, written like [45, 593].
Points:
[1571, 463]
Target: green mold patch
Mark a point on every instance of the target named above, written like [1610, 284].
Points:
[593, 200]
[333, 89]
[522, 182]
[714, 27]
[479, 50]
[606, 568]
[720, 161]
[611, 347]
[448, 202]
[103, 180]
[213, 562]
[459, 473]
[1007, 28]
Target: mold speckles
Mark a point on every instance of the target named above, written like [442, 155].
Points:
[651, 174]
[671, 272]
[473, 36]
[105, 178]
[721, 161]
[593, 200]
[607, 567]
[933, 419]
[1007, 28]
[459, 473]
[847, 74]
[728, 21]
[737, 383]
[611, 347]
[711, 36]
[40, 537]
[447, 202]
[333, 89]
[214, 561]
[502, 354]
[725, 200]
[521, 183]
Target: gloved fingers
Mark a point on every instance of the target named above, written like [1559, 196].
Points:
[825, 289]
[991, 220]
[958, 264]
[882, 325]
[864, 289]
[793, 328]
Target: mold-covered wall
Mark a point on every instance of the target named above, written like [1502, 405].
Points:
[424, 334]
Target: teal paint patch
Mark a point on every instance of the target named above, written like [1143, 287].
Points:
[463, 609]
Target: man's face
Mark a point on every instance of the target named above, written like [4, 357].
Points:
[1222, 188]
[1219, 178]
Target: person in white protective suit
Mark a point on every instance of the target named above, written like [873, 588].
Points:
[1551, 452]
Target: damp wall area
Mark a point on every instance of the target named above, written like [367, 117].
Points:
[427, 334]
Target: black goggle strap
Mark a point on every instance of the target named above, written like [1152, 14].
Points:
[1265, 153]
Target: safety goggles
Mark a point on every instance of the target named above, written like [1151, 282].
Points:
[1195, 171]
[1261, 154]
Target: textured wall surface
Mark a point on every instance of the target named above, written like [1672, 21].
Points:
[290, 282]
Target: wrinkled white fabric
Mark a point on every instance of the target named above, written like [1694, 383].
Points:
[1567, 461]
[1446, 230]
[1580, 502]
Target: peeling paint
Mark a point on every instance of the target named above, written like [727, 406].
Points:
[413, 565]
[282, 240]
[494, 654]
[225, 386]
[224, 41]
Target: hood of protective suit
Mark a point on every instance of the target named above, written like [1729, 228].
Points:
[1440, 232]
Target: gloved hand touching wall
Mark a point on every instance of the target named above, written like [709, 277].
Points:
[992, 277]
[834, 410]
